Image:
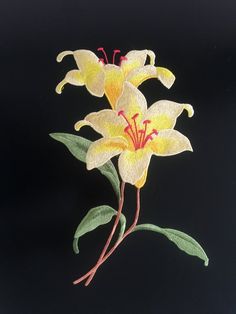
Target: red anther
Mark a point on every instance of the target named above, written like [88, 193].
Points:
[135, 116]
[101, 60]
[154, 131]
[122, 58]
[121, 113]
[104, 53]
[127, 128]
[146, 121]
[115, 51]
[149, 137]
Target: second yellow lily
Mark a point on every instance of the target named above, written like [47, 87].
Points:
[101, 77]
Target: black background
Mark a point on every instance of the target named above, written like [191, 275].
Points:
[46, 191]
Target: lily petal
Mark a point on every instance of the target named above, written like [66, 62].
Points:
[140, 183]
[114, 79]
[102, 150]
[92, 71]
[163, 113]
[106, 122]
[136, 59]
[131, 102]
[73, 77]
[169, 142]
[138, 76]
[166, 77]
[133, 164]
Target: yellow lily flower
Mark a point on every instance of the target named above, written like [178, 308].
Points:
[136, 133]
[101, 77]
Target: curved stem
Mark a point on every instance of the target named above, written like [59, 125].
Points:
[94, 269]
[121, 202]
[99, 263]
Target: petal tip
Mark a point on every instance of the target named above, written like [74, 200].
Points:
[189, 109]
[166, 77]
[60, 87]
[62, 54]
[190, 148]
[89, 166]
[78, 125]
[152, 56]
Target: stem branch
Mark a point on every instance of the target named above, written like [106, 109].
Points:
[101, 260]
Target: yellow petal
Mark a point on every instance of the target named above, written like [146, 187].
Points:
[131, 102]
[101, 151]
[73, 77]
[138, 76]
[133, 164]
[166, 77]
[92, 71]
[136, 59]
[114, 79]
[140, 183]
[163, 114]
[169, 142]
[107, 122]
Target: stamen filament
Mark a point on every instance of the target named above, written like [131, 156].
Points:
[136, 129]
[145, 122]
[133, 137]
[130, 135]
[149, 136]
[114, 55]
[104, 53]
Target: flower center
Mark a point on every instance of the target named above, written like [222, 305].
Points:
[138, 136]
[105, 59]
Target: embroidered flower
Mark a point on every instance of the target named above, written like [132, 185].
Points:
[101, 77]
[136, 133]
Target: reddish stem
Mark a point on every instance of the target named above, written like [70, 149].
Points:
[94, 269]
[121, 202]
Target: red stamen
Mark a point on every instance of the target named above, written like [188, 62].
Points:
[121, 59]
[146, 121]
[114, 55]
[101, 60]
[149, 136]
[141, 137]
[132, 136]
[121, 112]
[135, 126]
[104, 53]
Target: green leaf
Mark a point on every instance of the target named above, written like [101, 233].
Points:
[96, 217]
[181, 239]
[78, 146]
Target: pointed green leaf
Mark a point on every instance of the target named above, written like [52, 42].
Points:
[96, 217]
[181, 239]
[78, 146]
